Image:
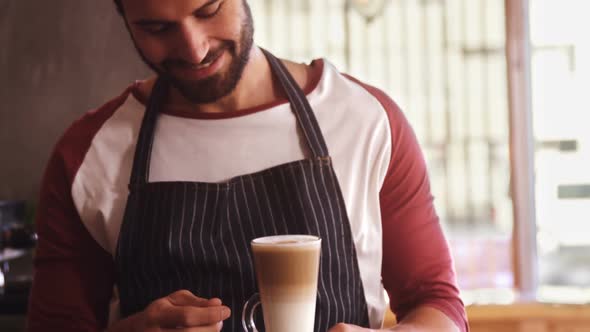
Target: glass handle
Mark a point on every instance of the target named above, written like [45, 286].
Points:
[248, 313]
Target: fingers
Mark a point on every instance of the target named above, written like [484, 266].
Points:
[214, 302]
[341, 327]
[186, 298]
[211, 328]
[187, 316]
[182, 309]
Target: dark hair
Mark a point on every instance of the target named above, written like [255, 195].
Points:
[119, 6]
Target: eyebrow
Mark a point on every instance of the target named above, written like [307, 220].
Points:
[157, 21]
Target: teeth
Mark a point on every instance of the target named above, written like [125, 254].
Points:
[203, 66]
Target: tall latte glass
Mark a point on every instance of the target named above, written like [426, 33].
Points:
[287, 268]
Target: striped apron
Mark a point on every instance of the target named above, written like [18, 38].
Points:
[196, 236]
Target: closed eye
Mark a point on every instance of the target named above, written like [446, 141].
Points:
[155, 28]
[210, 9]
[206, 11]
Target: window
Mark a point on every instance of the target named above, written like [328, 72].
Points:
[560, 81]
[444, 62]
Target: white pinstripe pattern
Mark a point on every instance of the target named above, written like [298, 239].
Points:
[327, 240]
[180, 237]
[341, 223]
[236, 254]
[243, 187]
[155, 245]
[267, 199]
[322, 283]
[201, 242]
[130, 249]
[330, 238]
[339, 201]
[245, 243]
[150, 250]
[313, 194]
[212, 221]
[227, 262]
[319, 203]
[128, 244]
[253, 185]
[161, 245]
[171, 259]
[284, 181]
[138, 230]
[191, 229]
[276, 194]
[142, 273]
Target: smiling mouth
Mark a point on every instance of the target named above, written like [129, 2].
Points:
[208, 61]
[204, 65]
[190, 71]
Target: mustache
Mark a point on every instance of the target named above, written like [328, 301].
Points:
[212, 55]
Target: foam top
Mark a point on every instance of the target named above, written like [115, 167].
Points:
[286, 240]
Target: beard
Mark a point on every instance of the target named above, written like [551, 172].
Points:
[217, 86]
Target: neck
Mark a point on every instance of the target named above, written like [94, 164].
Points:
[254, 88]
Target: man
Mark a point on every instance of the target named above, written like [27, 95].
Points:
[158, 192]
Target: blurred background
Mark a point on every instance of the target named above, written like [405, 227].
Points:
[495, 90]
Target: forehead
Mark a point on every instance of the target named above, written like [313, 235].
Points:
[161, 9]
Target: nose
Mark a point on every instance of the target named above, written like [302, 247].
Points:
[193, 44]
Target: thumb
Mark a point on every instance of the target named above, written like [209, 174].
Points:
[341, 327]
[186, 298]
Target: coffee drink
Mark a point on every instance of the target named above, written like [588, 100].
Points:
[287, 269]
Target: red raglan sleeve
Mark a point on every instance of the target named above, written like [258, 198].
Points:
[73, 275]
[417, 267]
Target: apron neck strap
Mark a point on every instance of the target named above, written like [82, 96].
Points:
[299, 104]
[140, 172]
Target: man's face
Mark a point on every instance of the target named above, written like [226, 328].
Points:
[201, 46]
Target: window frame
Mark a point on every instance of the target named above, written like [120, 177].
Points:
[522, 187]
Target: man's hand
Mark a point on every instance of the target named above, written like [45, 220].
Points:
[421, 319]
[348, 328]
[353, 328]
[180, 311]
